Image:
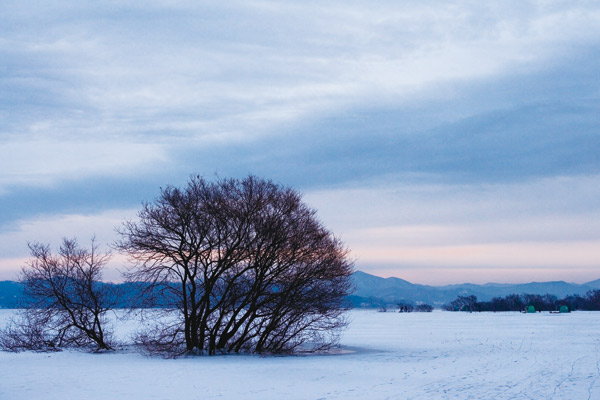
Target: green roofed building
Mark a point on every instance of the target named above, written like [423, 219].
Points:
[563, 309]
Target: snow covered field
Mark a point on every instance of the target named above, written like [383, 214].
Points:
[439, 355]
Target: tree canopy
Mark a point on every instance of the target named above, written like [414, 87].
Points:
[242, 265]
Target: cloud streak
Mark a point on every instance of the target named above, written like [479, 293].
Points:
[46, 162]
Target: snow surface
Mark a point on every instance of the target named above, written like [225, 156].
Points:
[439, 355]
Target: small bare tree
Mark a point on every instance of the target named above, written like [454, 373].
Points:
[65, 303]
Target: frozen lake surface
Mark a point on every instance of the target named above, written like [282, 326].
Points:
[439, 355]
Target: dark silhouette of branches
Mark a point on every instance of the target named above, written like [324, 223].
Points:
[65, 303]
[244, 264]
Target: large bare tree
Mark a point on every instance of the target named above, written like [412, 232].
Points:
[65, 303]
[244, 265]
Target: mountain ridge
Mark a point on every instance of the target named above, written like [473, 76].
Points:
[373, 291]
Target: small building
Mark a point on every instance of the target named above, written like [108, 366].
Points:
[530, 309]
[563, 309]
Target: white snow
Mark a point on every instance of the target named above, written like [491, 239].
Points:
[439, 355]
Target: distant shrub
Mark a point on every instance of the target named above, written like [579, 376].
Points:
[424, 308]
[405, 307]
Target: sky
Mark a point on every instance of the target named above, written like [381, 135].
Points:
[442, 141]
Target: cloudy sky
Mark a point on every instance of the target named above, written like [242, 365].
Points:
[444, 142]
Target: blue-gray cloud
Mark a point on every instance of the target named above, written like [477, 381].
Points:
[525, 127]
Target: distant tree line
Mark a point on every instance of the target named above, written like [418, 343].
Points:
[409, 307]
[519, 302]
[405, 307]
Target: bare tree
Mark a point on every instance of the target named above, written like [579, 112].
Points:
[464, 303]
[245, 265]
[65, 303]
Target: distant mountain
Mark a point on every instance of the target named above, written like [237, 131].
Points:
[594, 284]
[124, 294]
[10, 292]
[373, 290]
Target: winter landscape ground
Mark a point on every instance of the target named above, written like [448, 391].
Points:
[439, 355]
